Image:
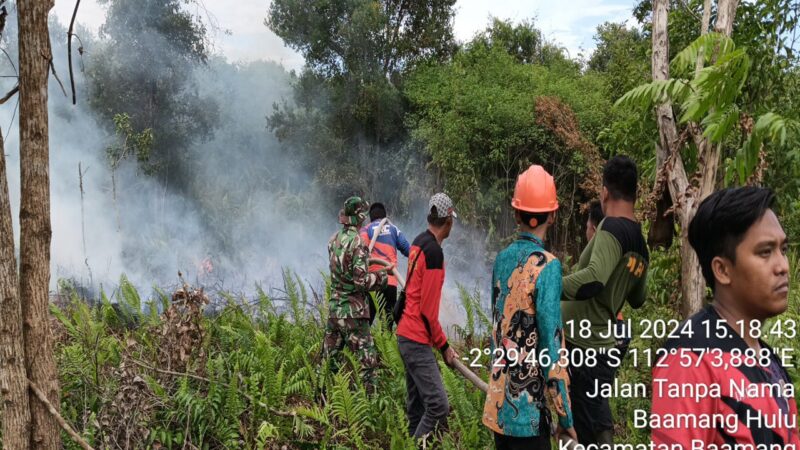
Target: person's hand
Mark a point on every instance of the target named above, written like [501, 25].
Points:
[390, 268]
[556, 400]
[450, 356]
[567, 432]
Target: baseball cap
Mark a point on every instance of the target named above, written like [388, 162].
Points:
[443, 204]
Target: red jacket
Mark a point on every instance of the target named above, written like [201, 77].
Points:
[707, 360]
[390, 239]
[420, 320]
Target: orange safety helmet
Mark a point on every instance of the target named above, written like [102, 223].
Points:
[535, 191]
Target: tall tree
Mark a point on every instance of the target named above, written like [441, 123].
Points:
[144, 68]
[365, 38]
[35, 59]
[13, 377]
[347, 118]
[707, 89]
[692, 282]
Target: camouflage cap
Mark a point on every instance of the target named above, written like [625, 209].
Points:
[355, 209]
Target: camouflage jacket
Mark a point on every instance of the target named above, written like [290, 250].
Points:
[350, 278]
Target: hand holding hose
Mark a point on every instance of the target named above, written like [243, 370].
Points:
[450, 356]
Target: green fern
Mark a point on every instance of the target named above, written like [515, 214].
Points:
[266, 433]
[349, 408]
[656, 92]
[708, 45]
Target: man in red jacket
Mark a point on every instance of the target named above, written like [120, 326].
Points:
[419, 328]
[718, 384]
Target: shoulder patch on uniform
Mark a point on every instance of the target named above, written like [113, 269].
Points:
[629, 235]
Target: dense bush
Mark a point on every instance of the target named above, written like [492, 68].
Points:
[250, 373]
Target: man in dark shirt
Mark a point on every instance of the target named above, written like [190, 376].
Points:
[611, 270]
[749, 398]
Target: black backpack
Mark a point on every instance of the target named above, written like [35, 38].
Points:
[397, 311]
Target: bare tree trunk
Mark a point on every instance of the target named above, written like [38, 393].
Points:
[13, 378]
[671, 167]
[693, 285]
[667, 130]
[34, 61]
[703, 30]
[662, 227]
[726, 12]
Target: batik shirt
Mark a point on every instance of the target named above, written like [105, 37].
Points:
[350, 278]
[526, 317]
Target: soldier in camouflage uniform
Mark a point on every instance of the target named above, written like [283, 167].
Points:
[348, 321]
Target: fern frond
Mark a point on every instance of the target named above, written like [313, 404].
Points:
[719, 123]
[708, 45]
[654, 93]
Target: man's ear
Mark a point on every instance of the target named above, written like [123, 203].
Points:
[517, 217]
[721, 268]
[551, 218]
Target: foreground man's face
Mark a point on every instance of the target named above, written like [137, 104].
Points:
[760, 276]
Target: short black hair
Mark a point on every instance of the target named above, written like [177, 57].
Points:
[596, 212]
[620, 177]
[721, 222]
[528, 216]
[376, 211]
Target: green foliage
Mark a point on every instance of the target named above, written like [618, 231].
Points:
[622, 61]
[708, 97]
[129, 143]
[621, 56]
[523, 41]
[772, 130]
[263, 383]
[711, 99]
[346, 121]
[476, 117]
[363, 37]
[140, 81]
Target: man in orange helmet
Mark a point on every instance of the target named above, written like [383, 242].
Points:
[528, 379]
[611, 270]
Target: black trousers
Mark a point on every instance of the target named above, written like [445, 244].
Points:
[503, 442]
[592, 416]
[389, 294]
[427, 406]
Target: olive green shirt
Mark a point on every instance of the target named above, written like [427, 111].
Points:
[611, 270]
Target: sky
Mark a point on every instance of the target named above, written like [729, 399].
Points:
[238, 31]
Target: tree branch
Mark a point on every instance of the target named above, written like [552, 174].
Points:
[206, 380]
[64, 425]
[704, 24]
[9, 94]
[69, 48]
[689, 10]
[53, 69]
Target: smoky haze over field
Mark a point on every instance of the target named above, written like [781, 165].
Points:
[246, 211]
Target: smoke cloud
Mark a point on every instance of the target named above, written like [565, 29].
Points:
[248, 211]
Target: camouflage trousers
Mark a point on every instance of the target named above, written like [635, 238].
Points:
[355, 334]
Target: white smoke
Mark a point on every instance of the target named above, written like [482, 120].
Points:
[248, 213]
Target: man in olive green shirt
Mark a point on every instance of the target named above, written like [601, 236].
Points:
[611, 270]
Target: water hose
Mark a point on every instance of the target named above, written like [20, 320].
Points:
[458, 365]
[377, 233]
[564, 440]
